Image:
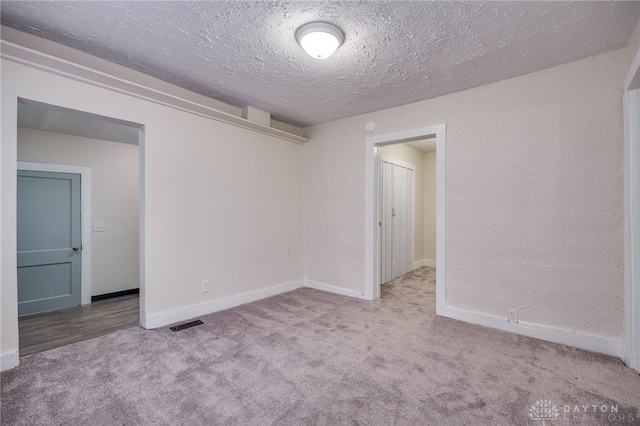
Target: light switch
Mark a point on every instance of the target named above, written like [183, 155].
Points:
[98, 227]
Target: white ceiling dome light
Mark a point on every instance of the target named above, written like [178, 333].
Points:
[319, 39]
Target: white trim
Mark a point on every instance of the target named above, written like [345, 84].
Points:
[631, 100]
[9, 360]
[441, 218]
[551, 334]
[371, 237]
[42, 61]
[85, 216]
[424, 262]
[405, 135]
[333, 289]
[182, 314]
[141, 224]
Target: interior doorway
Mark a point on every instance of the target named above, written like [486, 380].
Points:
[373, 231]
[104, 156]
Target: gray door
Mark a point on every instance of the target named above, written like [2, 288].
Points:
[49, 241]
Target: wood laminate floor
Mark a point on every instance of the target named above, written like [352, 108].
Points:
[49, 330]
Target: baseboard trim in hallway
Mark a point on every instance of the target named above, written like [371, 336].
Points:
[424, 262]
[115, 294]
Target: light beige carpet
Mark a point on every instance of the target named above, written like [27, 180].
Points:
[308, 357]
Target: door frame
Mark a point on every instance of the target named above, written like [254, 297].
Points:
[372, 192]
[85, 217]
[632, 214]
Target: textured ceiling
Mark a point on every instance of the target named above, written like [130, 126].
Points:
[244, 53]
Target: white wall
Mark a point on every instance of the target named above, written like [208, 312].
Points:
[534, 195]
[220, 202]
[114, 200]
[407, 154]
[429, 173]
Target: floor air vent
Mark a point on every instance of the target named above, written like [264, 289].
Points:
[186, 325]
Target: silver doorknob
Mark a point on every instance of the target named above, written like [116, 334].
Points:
[75, 248]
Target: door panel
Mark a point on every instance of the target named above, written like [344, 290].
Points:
[55, 275]
[48, 230]
[44, 210]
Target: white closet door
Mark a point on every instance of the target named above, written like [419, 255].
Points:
[402, 181]
[387, 222]
[397, 218]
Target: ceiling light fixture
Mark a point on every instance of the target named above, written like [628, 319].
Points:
[319, 39]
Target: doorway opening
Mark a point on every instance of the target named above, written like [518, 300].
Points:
[91, 287]
[407, 211]
[377, 152]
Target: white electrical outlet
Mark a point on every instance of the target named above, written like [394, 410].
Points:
[205, 286]
[513, 316]
[98, 227]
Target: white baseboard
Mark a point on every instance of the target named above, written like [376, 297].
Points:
[424, 262]
[588, 342]
[182, 314]
[9, 360]
[333, 289]
[176, 315]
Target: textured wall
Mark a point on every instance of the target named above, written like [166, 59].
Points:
[412, 156]
[114, 200]
[534, 195]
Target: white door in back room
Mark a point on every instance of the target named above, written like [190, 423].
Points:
[49, 241]
[396, 220]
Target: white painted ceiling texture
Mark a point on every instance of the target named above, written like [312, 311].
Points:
[245, 53]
